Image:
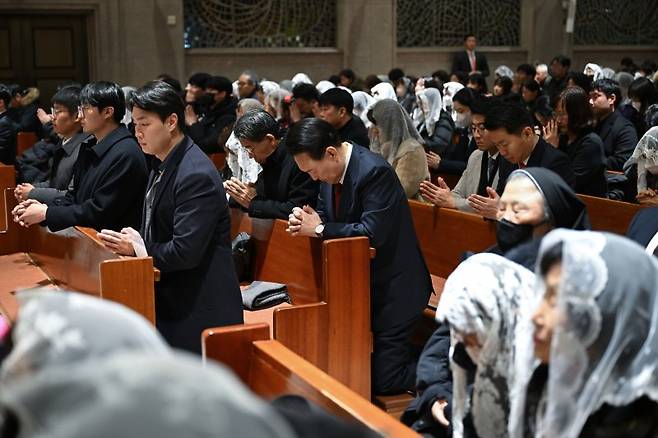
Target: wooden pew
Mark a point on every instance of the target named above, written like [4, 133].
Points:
[609, 215]
[24, 141]
[270, 369]
[328, 323]
[72, 258]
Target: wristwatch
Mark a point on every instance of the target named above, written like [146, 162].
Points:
[319, 230]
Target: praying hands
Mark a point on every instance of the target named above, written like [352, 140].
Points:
[242, 193]
[29, 212]
[486, 206]
[440, 195]
[303, 222]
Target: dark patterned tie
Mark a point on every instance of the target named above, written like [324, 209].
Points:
[338, 188]
[148, 201]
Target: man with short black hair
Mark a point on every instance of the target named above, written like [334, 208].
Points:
[281, 186]
[470, 61]
[305, 104]
[110, 173]
[66, 124]
[7, 129]
[558, 81]
[616, 131]
[524, 72]
[205, 130]
[185, 226]
[360, 195]
[511, 129]
[196, 86]
[336, 106]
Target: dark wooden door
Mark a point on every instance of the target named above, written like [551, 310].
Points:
[44, 51]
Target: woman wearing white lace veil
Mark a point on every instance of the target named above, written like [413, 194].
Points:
[383, 90]
[301, 78]
[449, 90]
[482, 301]
[593, 71]
[645, 156]
[362, 102]
[596, 335]
[323, 86]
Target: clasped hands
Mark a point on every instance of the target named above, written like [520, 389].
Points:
[29, 212]
[242, 193]
[303, 221]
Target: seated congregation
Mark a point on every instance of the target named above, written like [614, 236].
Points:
[389, 257]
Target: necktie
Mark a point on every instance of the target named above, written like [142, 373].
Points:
[471, 57]
[491, 170]
[148, 202]
[338, 188]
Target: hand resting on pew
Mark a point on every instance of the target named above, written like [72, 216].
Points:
[303, 222]
[128, 242]
[29, 212]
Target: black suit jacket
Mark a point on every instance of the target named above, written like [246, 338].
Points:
[206, 131]
[109, 183]
[282, 186]
[460, 62]
[643, 226]
[588, 161]
[373, 204]
[7, 139]
[619, 140]
[544, 155]
[355, 132]
[190, 243]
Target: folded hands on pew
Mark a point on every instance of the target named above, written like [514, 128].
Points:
[486, 206]
[242, 193]
[22, 191]
[303, 221]
[29, 212]
[440, 195]
[128, 242]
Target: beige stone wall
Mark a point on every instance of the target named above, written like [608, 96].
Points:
[132, 42]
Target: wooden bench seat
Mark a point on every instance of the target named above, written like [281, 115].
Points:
[271, 369]
[609, 215]
[73, 259]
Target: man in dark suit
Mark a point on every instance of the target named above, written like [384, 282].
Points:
[644, 229]
[558, 81]
[281, 186]
[185, 226]
[470, 61]
[616, 131]
[110, 174]
[510, 128]
[7, 129]
[360, 195]
[336, 106]
[205, 129]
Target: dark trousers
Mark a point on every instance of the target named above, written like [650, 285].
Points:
[393, 359]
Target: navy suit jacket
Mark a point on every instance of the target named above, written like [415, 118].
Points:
[191, 246]
[643, 226]
[373, 204]
[460, 62]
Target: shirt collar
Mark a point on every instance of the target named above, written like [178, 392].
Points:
[348, 154]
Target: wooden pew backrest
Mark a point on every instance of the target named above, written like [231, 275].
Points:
[609, 215]
[444, 235]
[270, 369]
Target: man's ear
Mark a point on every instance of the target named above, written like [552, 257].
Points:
[172, 121]
[108, 112]
[331, 151]
[613, 98]
[342, 111]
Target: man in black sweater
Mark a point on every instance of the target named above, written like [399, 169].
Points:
[336, 106]
[281, 186]
[616, 131]
[110, 173]
[205, 129]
